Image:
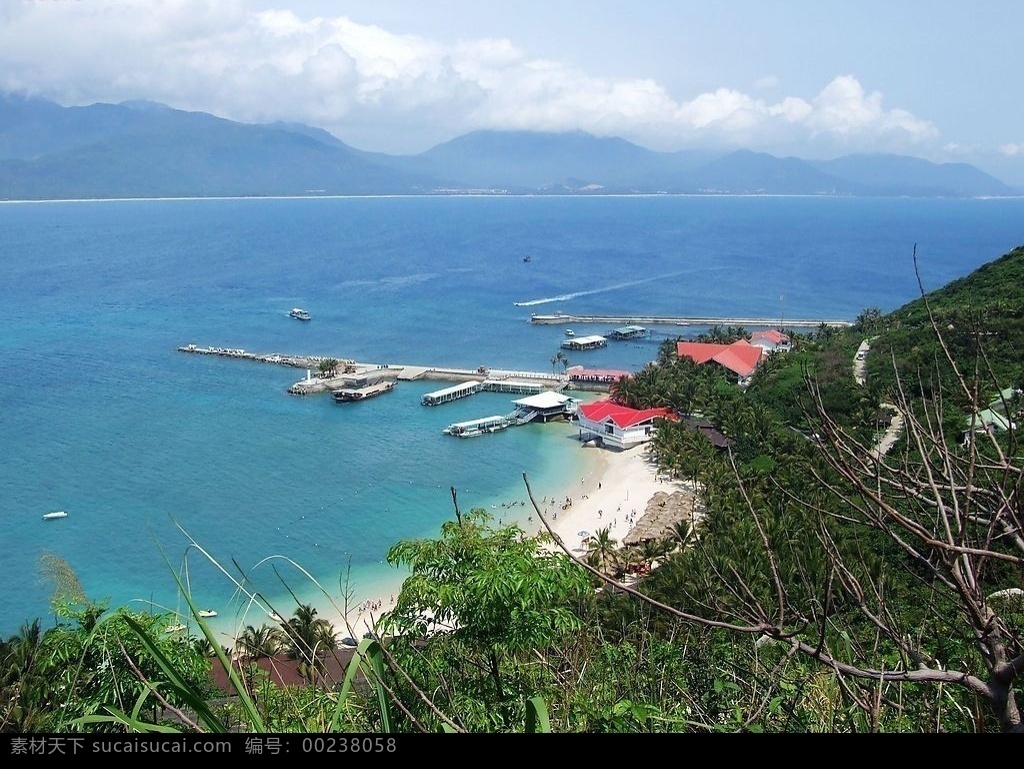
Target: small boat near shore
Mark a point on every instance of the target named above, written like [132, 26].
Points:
[300, 314]
[207, 613]
[55, 515]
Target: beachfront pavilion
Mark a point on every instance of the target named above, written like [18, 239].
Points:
[544, 407]
[619, 427]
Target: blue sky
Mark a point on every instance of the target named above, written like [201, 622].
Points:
[814, 79]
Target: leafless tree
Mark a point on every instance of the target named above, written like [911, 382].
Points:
[951, 508]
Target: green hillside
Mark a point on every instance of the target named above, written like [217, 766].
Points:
[980, 318]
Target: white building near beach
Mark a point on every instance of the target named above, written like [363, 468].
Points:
[618, 426]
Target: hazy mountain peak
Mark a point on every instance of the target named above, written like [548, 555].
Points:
[145, 148]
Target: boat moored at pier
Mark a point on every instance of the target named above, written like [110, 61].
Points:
[448, 394]
[352, 394]
[584, 342]
[474, 427]
[628, 332]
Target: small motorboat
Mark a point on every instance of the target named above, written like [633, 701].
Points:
[55, 514]
[206, 613]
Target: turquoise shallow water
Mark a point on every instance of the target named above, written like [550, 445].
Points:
[145, 446]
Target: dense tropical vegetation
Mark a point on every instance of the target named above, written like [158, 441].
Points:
[829, 586]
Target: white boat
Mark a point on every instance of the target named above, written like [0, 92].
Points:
[476, 427]
[299, 314]
[175, 628]
[207, 613]
[55, 514]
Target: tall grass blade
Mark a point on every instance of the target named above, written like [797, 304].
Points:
[537, 716]
[368, 658]
[175, 681]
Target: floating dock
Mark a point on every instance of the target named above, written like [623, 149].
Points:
[449, 394]
[465, 389]
[474, 427]
[628, 332]
[584, 342]
[352, 394]
[513, 386]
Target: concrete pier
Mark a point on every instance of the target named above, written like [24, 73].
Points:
[652, 320]
[350, 373]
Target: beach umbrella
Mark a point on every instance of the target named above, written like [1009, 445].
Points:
[582, 533]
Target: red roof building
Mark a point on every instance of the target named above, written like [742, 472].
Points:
[770, 340]
[618, 426]
[284, 671]
[741, 357]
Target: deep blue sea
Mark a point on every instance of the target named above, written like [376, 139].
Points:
[149, 449]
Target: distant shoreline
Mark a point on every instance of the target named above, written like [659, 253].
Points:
[24, 201]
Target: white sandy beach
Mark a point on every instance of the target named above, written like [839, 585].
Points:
[615, 498]
[612, 493]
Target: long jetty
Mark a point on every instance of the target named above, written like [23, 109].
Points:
[654, 320]
[352, 372]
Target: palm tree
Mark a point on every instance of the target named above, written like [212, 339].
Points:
[603, 547]
[256, 642]
[23, 691]
[328, 367]
[653, 549]
[681, 533]
[557, 358]
[869, 320]
[308, 637]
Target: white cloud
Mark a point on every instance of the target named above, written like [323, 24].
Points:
[843, 109]
[1012, 150]
[366, 84]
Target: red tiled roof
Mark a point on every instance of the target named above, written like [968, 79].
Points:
[623, 416]
[777, 337]
[701, 352]
[740, 357]
[285, 672]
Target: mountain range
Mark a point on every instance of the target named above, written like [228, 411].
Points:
[145, 149]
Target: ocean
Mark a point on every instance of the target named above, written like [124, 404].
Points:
[160, 457]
